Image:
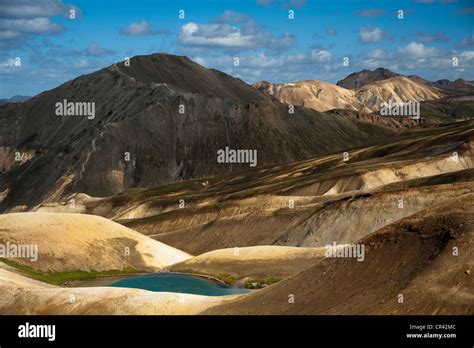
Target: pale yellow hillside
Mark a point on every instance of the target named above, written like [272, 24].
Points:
[84, 242]
[398, 89]
[324, 96]
[253, 262]
[314, 94]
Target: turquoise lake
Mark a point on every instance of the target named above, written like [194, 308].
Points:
[175, 282]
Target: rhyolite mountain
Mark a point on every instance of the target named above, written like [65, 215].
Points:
[324, 96]
[139, 138]
[366, 77]
[314, 94]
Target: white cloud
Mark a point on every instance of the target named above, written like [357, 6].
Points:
[24, 18]
[371, 35]
[258, 61]
[467, 42]
[378, 54]
[142, 28]
[467, 55]
[35, 8]
[263, 61]
[320, 55]
[220, 62]
[417, 50]
[8, 34]
[9, 63]
[96, 50]
[221, 35]
[297, 58]
[314, 56]
[29, 26]
[8, 66]
[81, 64]
[254, 67]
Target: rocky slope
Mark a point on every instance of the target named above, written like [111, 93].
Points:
[409, 268]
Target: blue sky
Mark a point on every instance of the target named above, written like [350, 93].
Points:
[270, 46]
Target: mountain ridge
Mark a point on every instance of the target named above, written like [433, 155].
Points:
[138, 114]
[361, 78]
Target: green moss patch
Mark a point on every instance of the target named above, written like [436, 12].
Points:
[58, 278]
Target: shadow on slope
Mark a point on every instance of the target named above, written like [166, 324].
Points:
[412, 257]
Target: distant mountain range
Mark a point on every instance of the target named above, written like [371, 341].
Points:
[364, 90]
[458, 86]
[366, 77]
[14, 99]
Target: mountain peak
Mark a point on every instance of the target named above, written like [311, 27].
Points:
[365, 77]
[186, 75]
[382, 69]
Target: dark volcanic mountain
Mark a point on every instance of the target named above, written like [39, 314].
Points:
[159, 120]
[457, 87]
[459, 83]
[365, 77]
